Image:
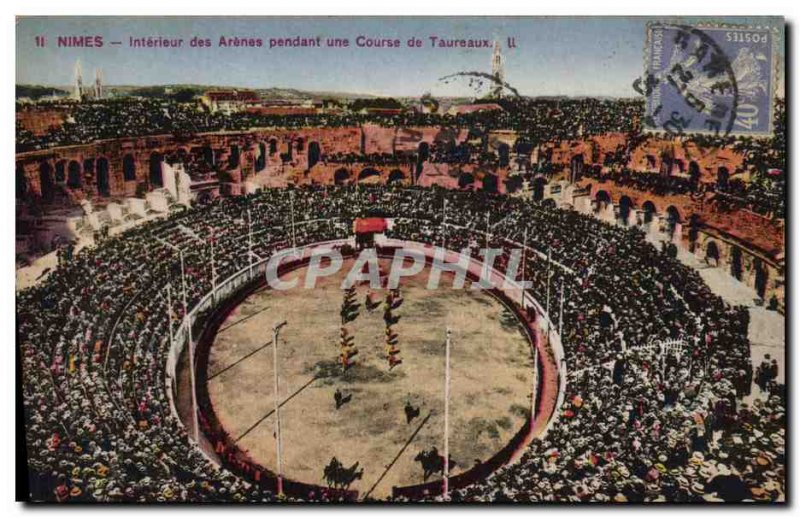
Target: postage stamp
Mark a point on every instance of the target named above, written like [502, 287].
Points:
[714, 80]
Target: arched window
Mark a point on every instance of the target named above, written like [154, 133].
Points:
[625, 205]
[128, 168]
[74, 175]
[156, 178]
[503, 155]
[313, 154]
[61, 173]
[341, 176]
[396, 176]
[21, 183]
[103, 185]
[261, 160]
[46, 181]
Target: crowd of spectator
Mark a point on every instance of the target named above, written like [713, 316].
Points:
[95, 335]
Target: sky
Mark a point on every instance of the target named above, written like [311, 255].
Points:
[573, 56]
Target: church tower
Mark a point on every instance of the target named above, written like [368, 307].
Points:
[98, 84]
[77, 94]
[497, 70]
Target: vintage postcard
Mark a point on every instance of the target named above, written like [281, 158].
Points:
[401, 259]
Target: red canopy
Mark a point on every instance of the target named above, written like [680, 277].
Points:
[370, 225]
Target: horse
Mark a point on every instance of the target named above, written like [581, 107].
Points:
[432, 462]
[337, 476]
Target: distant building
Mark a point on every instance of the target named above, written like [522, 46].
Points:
[381, 111]
[497, 71]
[98, 84]
[229, 101]
[77, 92]
[465, 109]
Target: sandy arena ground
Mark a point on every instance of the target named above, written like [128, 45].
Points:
[491, 367]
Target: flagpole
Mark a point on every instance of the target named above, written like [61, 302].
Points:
[169, 317]
[487, 232]
[524, 255]
[547, 302]
[535, 385]
[446, 469]
[294, 235]
[444, 225]
[213, 268]
[190, 342]
[250, 240]
[561, 313]
[279, 445]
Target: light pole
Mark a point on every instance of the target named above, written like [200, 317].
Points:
[294, 235]
[535, 384]
[488, 229]
[561, 313]
[444, 225]
[446, 469]
[190, 342]
[213, 266]
[547, 299]
[278, 448]
[524, 255]
[250, 239]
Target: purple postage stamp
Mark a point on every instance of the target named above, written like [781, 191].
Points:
[715, 80]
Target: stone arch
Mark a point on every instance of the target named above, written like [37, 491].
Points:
[503, 153]
[666, 164]
[209, 155]
[103, 180]
[761, 276]
[129, 167]
[368, 174]
[273, 145]
[156, 179]
[88, 169]
[712, 251]
[313, 153]
[649, 209]
[341, 176]
[576, 167]
[465, 180]
[74, 175]
[603, 199]
[423, 153]
[673, 219]
[736, 262]
[397, 176]
[539, 184]
[234, 157]
[46, 181]
[300, 145]
[21, 183]
[61, 171]
[261, 160]
[625, 207]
